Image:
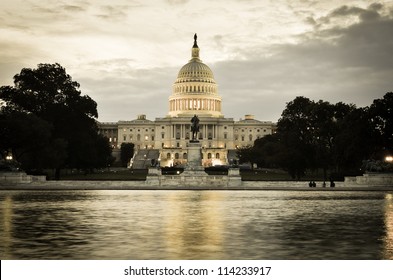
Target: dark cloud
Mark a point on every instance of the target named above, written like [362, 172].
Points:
[126, 91]
[74, 8]
[352, 64]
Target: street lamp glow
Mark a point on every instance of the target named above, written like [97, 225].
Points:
[389, 158]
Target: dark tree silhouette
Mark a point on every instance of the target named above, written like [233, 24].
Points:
[126, 153]
[51, 95]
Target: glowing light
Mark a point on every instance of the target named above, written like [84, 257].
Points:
[389, 158]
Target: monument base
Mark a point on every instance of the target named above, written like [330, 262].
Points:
[194, 175]
[194, 156]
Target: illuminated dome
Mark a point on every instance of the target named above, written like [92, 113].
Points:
[195, 90]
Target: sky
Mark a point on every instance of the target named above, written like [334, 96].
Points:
[126, 54]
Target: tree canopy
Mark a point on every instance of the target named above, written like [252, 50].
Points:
[336, 138]
[47, 123]
[126, 153]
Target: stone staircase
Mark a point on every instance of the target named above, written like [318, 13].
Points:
[143, 158]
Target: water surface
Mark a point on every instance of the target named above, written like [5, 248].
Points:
[195, 225]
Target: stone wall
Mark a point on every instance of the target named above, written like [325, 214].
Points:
[370, 179]
[19, 177]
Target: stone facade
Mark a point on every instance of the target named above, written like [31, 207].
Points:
[194, 92]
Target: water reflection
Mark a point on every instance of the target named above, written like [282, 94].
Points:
[195, 225]
[388, 240]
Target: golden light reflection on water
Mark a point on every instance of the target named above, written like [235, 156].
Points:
[388, 240]
[6, 221]
[194, 232]
[195, 225]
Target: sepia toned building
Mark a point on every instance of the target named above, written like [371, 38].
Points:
[165, 139]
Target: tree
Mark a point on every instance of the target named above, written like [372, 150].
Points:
[126, 153]
[295, 129]
[51, 95]
[26, 136]
[269, 152]
[381, 117]
[354, 142]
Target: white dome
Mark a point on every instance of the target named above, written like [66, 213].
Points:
[195, 90]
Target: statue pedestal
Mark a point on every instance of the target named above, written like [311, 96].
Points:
[194, 157]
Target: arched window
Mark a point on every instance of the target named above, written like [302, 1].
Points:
[184, 155]
[250, 137]
[138, 137]
[209, 156]
[217, 156]
[168, 156]
[177, 156]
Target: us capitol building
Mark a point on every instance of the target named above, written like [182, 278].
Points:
[164, 141]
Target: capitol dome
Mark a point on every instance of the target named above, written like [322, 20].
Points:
[195, 90]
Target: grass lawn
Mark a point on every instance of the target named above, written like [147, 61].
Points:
[112, 175]
[140, 175]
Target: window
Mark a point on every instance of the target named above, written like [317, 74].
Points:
[250, 137]
[146, 137]
[184, 155]
[225, 135]
[124, 137]
[162, 135]
[217, 156]
[242, 137]
[152, 138]
[168, 156]
[177, 156]
[209, 156]
[138, 137]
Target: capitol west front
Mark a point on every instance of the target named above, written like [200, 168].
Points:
[165, 140]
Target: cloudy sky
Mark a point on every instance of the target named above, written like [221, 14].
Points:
[126, 53]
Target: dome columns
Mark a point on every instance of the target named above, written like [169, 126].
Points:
[194, 105]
